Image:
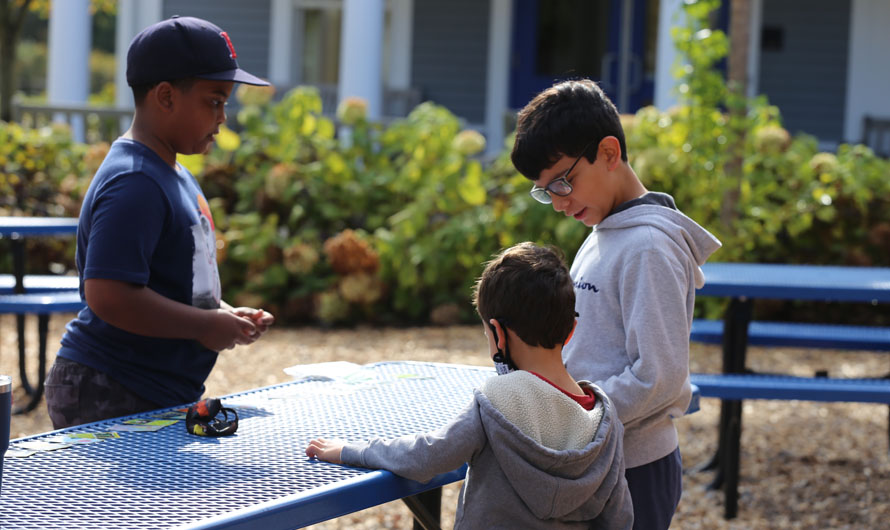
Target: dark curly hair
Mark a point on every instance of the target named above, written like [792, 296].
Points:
[561, 121]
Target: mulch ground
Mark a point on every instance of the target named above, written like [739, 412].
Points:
[804, 464]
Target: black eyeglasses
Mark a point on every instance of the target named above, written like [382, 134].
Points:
[559, 186]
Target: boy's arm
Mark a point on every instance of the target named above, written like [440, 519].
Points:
[418, 457]
[654, 291]
[127, 219]
[140, 310]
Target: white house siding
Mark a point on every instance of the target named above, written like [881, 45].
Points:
[247, 24]
[807, 78]
[868, 89]
[449, 63]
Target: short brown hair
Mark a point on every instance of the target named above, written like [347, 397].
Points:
[528, 288]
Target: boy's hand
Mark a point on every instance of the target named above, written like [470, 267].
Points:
[327, 450]
[226, 329]
[260, 318]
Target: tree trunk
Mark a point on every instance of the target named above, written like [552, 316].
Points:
[737, 74]
[739, 39]
[11, 21]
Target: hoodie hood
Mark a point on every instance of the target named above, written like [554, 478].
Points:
[692, 239]
[571, 484]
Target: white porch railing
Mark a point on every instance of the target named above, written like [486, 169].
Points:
[397, 102]
[99, 123]
[107, 123]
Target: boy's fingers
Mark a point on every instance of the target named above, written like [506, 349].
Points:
[262, 317]
[247, 325]
[314, 448]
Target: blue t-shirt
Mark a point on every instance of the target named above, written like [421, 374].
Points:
[145, 223]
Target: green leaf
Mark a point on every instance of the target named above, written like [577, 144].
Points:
[471, 189]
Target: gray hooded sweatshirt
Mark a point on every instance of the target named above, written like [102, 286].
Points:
[536, 458]
[635, 279]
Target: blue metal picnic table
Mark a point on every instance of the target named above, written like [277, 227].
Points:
[259, 477]
[743, 283]
[797, 282]
[32, 226]
[18, 229]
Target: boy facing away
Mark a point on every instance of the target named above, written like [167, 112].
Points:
[544, 451]
[146, 249]
[635, 278]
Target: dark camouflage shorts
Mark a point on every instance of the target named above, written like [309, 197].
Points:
[77, 394]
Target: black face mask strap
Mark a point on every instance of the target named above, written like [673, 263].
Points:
[502, 357]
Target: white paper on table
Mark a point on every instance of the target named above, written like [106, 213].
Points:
[329, 371]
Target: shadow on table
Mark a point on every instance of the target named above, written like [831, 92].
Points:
[172, 460]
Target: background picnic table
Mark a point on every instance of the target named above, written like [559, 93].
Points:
[804, 464]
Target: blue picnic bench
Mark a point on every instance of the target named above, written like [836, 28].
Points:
[43, 305]
[745, 282]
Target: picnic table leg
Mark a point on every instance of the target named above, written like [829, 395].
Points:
[427, 509]
[735, 343]
[732, 461]
[23, 373]
[36, 393]
[18, 267]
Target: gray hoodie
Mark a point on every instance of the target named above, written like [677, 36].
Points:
[635, 279]
[536, 458]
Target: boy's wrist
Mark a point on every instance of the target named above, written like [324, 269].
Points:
[203, 323]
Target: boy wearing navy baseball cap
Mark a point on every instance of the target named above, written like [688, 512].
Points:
[146, 246]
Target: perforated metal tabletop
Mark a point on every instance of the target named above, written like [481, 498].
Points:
[258, 477]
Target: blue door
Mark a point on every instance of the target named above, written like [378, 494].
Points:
[609, 41]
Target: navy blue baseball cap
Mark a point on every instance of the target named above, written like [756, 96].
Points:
[182, 47]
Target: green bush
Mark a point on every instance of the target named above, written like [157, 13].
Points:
[44, 173]
[411, 199]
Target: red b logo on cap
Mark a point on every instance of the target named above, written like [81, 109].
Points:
[232, 53]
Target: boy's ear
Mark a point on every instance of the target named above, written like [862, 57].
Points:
[500, 334]
[163, 95]
[610, 151]
[574, 326]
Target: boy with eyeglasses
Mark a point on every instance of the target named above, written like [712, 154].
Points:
[635, 278]
[544, 451]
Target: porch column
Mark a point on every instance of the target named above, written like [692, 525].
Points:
[497, 83]
[68, 68]
[132, 17]
[669, 15]
[868, 78]
[402, 37]
[280, 39]
[361, 53]
[756, 22]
